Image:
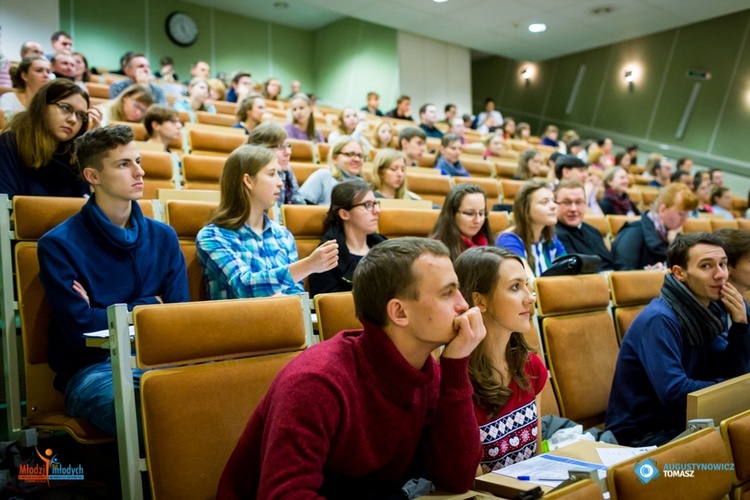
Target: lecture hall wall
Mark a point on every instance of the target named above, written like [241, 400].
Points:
[718, 130]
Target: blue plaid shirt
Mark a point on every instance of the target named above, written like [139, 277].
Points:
[241, 264]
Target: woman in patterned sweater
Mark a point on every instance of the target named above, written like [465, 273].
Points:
[508, 377]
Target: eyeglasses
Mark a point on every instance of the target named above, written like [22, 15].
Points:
[369, 205]
[352, 154]
[568, 203]
[67, 110]
[286, 146]
[471, 214]
[175, 121]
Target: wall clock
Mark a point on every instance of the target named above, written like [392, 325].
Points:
[181, 29]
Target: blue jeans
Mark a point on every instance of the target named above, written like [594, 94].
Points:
[90, 394]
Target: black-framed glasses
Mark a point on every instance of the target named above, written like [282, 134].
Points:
[352, 154]
[369, 205]
[67, 110]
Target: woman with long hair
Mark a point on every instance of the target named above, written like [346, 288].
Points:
[250, 113]
[242, 251]
[351, 124]
[198, 94]
[31, 74]
[36, 147]
[533, 235]
[389, 176]
[352, 221]
[273, 137]
[507, 375]
[529, 165]
[82, 73]
[345, 160]
[303, 122]
[383, 135]
[463, 222]
[616, 200]
[130, 106]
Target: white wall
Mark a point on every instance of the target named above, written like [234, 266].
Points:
[24, 20]
[434, 71]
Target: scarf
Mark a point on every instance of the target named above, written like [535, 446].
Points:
[659, 226]
[700, 325]
[621, 203]
[478, 240]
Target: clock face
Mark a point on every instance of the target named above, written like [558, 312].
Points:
[181, 29]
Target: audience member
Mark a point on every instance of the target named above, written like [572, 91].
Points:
[217, 89]
[273, 137]
[450, 112]
[529, 165]
[550, 136]
[61, 43]
[643, 243]
[456, 127]
[296, 88]
[411, 141]
[489, 113]
[737, 247]
[717, 176]
[682, 176]
[685, 164]
[572, 167]
[509, 128]
[303, 122]
[428, 118]
[678, 344]
[272, 91]
[196, 101]
[389, 176]
[632, 150]
[36, 146]
[352, 221]
[32, 49]
[662, 172]
[448, 163]
[106, 254]
[378, 387]
[163, 125]
[129, 106]
[653, 161]
[507, 375]
[250, 112]
[463, 221]
[523, 131]
[241, 87]
[493, 144]
[242, 251]
[702, 190]
[383, 135]
[576, 235]
[373, 104]
[533, 235]
[350, 124]
[623, 159]
[345, 160]
[63, 65]
[166, 70]
[199, 69]
[605, 146]
[402, 110]
[721, 202]
[81, 73]
[138, 70]
[30, 75]
[616, 200]
[5, 79]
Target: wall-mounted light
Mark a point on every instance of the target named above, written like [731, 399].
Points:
[526, 73]
[629, 78]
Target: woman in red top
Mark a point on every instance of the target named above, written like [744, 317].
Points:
[508, 377]
[463, 222]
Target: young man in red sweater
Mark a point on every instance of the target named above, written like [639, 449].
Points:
[359, 415]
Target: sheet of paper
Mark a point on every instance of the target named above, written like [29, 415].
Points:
[548, 470]
[104, 334]
[612, 456]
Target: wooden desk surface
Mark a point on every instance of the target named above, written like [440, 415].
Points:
[509, 487]
[720, 401]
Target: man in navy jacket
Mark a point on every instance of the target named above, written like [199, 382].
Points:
[679, 343]
[107, 253]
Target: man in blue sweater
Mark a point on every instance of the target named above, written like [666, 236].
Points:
[107, 253]
[678, 344]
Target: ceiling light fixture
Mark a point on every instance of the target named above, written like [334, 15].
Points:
[537, 27]
[439, 1]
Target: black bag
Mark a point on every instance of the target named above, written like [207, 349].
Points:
[572, 264]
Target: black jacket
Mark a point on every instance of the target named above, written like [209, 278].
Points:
[638, 245]
[340, 278]
[585, 240]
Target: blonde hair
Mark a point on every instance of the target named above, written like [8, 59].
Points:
[342, 127]
[382, 161]
[376, 141]
[336, 150]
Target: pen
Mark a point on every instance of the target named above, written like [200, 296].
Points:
[530, 478]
